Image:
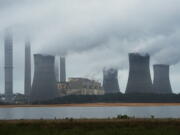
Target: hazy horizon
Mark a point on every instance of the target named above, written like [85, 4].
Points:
[93, 35]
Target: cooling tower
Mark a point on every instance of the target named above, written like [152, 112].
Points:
[62, 69]
[27, 77]
[8, 48]
[44, 82]
[139, 80]
[161, 83]
[110, 80]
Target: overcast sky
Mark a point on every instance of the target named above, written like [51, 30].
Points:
[93, 34]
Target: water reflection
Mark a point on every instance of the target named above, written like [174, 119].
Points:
[88, 112]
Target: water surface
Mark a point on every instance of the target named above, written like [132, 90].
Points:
[88, 112]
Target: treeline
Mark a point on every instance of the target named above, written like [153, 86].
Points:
[2, 103]
[115, 98]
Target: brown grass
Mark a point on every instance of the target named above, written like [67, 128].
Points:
[91, 127]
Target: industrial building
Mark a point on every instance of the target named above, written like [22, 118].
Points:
[161, 83]
[80, 86]
[8, 51]
[110, 81]
[50, 81]
[76, 86]
[27, 72]
[139, 80]
[44, 82]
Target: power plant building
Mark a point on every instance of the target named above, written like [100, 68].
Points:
[139, 80]
[27, 78]
[161, 83]
[44, 83]
[8, 48]
[62, 69]
[110, 81]
[80, 86]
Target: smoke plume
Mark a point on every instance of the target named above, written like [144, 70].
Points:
[94, 34]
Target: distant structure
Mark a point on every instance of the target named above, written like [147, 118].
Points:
[62, 69]
[79, 86]
[110, 81]
[161, 83]
[27, 78]
[139, 80]
[57, 68]
[44, 82]
[8, 48]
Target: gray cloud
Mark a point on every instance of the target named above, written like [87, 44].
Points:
[93, 34]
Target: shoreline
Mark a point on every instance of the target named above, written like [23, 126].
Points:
[96, 105]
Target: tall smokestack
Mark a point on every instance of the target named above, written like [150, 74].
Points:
[8, 48]
[44, 82]
[57, 68]
[62, 69]
[27, 80]
[161, 83]
[110, 81]
[139, 80]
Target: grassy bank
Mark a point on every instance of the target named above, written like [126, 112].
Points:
[91, 127]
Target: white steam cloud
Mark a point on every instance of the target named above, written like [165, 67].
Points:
[96, 33]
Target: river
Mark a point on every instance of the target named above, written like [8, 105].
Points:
[88, 112]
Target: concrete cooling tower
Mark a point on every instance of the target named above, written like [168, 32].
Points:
[44, 82]
[161, 83]
[139, 80]
[110, 81]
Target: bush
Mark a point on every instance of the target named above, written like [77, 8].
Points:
[152, 117]
[123, 116]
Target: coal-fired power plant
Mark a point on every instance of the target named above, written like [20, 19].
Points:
[62, 69]
[161, 83]
[110, 81]
[8, 51]
[139, 80]
[27, 77]
[44, 81]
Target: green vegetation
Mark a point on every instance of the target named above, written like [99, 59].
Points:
[115, 98]
[108, 98]
[123, 117]
[91, 127]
